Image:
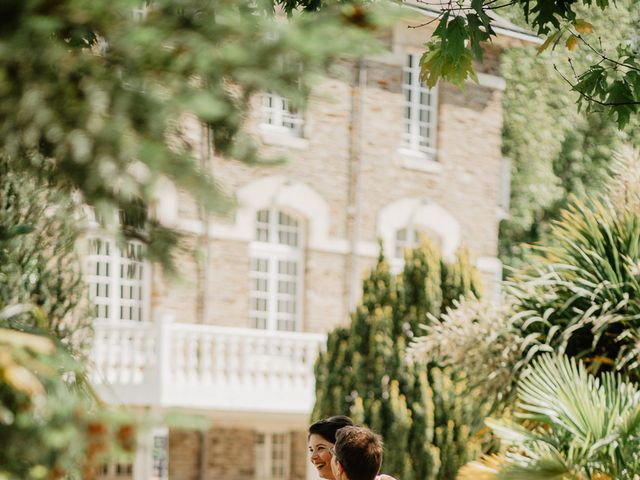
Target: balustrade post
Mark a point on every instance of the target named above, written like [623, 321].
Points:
[163, 355]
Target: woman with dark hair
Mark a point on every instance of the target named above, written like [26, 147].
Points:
[321, 439]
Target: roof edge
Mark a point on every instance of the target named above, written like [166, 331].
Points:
[507, 30]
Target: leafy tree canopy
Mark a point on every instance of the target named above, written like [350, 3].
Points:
[97, 94]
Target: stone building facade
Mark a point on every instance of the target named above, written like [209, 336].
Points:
[374, 156]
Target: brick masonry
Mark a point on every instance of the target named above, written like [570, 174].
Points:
[229, 454]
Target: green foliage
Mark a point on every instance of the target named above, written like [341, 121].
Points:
[479, 341]
[580, 297]
[447, 56]
[571, 425]
[38, 262]
[556, 151]
[609, 82]
[102, 98]
[428, 426]
[48, 427]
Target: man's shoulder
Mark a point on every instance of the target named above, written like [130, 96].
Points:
[385, 477]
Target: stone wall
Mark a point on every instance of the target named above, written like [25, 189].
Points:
[229, 454]
[356, 180]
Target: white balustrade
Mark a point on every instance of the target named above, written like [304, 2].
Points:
[204, 366]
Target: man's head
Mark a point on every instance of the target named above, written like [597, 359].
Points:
[357, 454]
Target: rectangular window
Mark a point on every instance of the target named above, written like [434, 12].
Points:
[272, 456]
[274, 292]
[117, 279]
[275, 272]
[160, 454]
[420, 110]
[279, 114]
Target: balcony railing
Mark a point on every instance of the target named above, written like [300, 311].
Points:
[203, 366]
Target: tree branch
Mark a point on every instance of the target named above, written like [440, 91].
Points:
[602, 55]
[591, 98]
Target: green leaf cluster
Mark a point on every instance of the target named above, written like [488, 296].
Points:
[609, 82]
[447, 56]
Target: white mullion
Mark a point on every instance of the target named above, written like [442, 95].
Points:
[299, 281]
[146, 288]
[412, 107]
[286, 455]
[281, 111]
[268, 445]
[277, 110]
[272, 267]
[272, 301]
[433, 105]
[415, 104]
[114, 281]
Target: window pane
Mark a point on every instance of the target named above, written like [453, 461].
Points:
[274, 274]
[277, 111]
[419, 113]
[262, 226]
[115, 277]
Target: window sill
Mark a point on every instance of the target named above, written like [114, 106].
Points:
[420, 161]
[282, 137]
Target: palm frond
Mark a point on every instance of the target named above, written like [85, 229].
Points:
[572, 424]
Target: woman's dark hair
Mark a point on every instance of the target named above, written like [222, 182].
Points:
[327, 427]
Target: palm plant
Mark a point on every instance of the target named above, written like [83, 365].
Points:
[582, 296]
[572, 425]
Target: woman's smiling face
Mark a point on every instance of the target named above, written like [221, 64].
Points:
[320, 455]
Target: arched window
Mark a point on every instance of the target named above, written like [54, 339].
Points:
[401, 223]
[410, 237]
[276, 271]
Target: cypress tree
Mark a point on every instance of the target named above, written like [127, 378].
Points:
[365, 373]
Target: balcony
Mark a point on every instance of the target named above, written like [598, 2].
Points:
[171, 364]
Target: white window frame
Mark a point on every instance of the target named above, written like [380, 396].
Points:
[412, 140]
[264, 456]
[140, 13]
[278, 116]
[274, 252]
[411, 241]
[115, 261]
[160, 454]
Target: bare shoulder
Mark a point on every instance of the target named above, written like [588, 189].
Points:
[385, 477]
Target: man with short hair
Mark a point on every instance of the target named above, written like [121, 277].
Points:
[357, 454]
